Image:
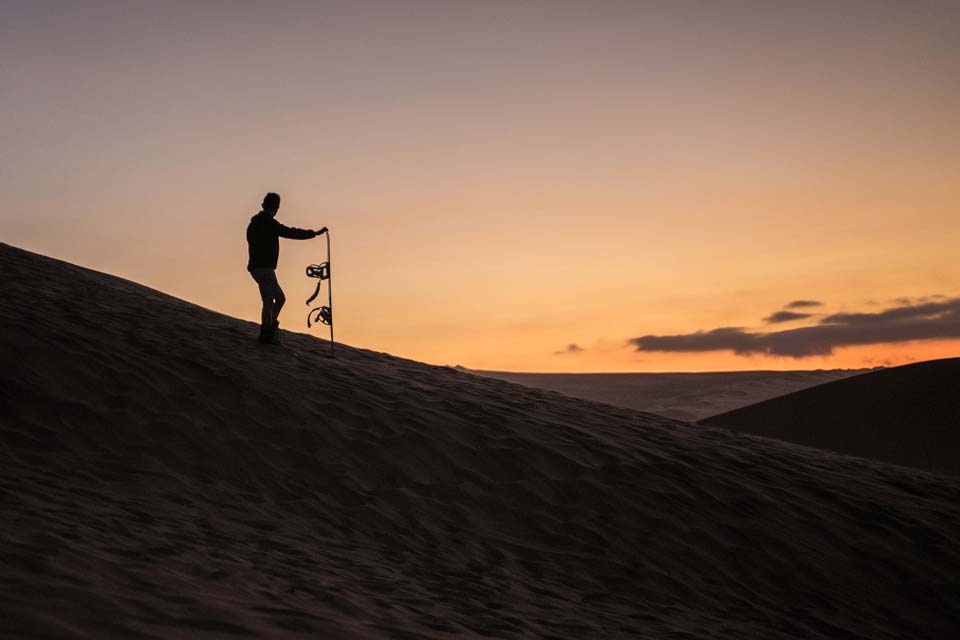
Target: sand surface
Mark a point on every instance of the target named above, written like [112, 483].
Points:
[906, 415]
[163, 476]
[682, 396]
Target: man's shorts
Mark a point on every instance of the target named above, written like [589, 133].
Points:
[267, 281]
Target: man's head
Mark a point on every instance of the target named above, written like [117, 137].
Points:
[271, 203]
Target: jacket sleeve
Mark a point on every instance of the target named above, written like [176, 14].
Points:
[296, 234]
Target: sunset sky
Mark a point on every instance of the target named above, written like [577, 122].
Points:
[529, 186]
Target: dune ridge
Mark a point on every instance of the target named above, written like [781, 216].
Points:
[907, 415]
[164, 476]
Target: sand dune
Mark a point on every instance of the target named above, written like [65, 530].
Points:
[682, 396]
[164, 476]
[906, 415]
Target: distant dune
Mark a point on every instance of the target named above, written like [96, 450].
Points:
[682, 396]
[906, 415]
[164, 476]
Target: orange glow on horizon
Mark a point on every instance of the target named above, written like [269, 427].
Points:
[501, 182]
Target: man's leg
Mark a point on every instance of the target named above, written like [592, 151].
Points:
[278, 300]
[266, 314]
[273, 290]
[266, 281]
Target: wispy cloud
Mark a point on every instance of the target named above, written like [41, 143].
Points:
[573, 347]
[785, 316]
[803, 304]
[906, 300]
[926, 321]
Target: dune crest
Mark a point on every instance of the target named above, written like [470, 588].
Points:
[165, 476]
[907, 415]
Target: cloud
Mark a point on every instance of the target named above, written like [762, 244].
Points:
[928, 321]
[803, 304]
[785, 316]
[722, 339]
[888, 362]
[573, 347]
[906, 300]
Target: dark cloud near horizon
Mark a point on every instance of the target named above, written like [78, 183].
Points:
[573, 347]
[785, 316]
[803, 304]
[928, 321]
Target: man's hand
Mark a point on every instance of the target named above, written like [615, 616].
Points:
[321, 231]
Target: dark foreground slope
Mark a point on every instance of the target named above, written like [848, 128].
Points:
[682, 396]
[907, 415]
[163, 476]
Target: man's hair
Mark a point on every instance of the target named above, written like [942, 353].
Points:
[271, 200]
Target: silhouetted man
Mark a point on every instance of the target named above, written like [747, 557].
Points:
[263, 241]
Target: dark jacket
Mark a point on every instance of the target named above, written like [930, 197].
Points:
[263, 240]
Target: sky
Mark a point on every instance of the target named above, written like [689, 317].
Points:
[528, 186]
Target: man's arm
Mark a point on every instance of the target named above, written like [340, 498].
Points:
[293, 233]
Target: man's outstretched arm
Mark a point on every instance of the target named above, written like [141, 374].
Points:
[294, 233]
